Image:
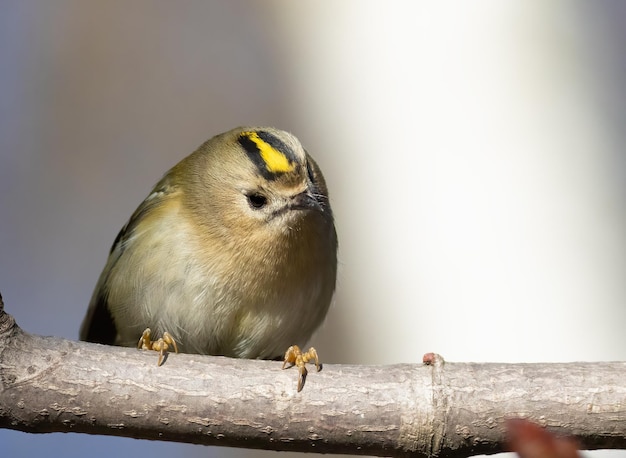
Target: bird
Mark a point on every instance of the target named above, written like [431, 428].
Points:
[232, 253]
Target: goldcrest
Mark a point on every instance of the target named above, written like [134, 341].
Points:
[234, 253]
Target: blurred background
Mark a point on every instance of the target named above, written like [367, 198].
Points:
[473, 150]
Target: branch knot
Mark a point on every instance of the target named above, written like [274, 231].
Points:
[7, 322]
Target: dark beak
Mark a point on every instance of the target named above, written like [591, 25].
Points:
[306, 201]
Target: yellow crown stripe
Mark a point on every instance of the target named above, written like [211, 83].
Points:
[275, 160]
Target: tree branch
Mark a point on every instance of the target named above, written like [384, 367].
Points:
[454, 409]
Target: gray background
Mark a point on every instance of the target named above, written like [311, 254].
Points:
[474, 154]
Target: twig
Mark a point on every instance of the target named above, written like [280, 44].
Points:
[453, 409]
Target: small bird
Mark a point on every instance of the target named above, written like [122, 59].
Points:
[233, 253]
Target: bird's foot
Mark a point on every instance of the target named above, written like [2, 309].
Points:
[161, 345]
[296, 357]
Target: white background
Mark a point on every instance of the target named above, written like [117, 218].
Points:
[474, 153]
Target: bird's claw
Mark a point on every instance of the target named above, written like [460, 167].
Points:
[161, 345]
[296, 357]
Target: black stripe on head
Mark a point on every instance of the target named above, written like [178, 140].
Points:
[269, 153]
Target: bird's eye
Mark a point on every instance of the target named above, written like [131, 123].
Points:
[257, 200]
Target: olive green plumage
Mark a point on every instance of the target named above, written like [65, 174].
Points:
[234, 252]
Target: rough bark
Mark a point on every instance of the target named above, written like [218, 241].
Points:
[454, 409]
